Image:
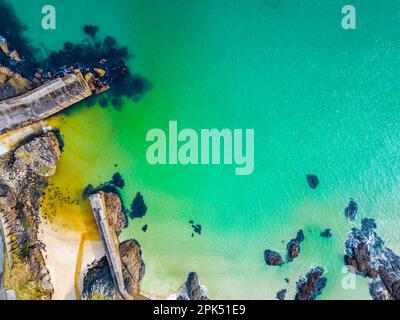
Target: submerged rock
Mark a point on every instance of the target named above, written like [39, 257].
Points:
[281, 295]
[192, 290]
[273, 258]
[326, 234]
[367, 256]
[312, 285]
[351, 210]
[138, 207]
[312, 180]
[293, 247]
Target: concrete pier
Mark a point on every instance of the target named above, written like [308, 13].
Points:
[43, 102]
[111, 243]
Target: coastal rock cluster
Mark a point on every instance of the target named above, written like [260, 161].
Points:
[367, 256]
[273, 258]
[23, 175]
[310, 286]
[192, 290]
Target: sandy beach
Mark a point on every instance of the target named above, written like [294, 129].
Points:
[62, 253]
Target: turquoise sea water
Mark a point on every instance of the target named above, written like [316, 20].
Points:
[320, 99]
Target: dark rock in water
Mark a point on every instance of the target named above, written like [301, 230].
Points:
[281, 295]
[313, 181]
[311, 286]
[367, 256]
[138, 207]
[192, 290]
[326, 234]
[351, 211]
[117, 180]
[287, 280]
[293, 247]
[91, 30]
[273, 258]
[197, 228]
[144, 228]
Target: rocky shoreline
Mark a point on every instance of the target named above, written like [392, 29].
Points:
[23, 174]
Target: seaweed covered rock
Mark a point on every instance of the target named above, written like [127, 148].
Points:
[311, 286]
[273, 258]
[192, 290]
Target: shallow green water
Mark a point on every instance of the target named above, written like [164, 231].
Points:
[321, 100]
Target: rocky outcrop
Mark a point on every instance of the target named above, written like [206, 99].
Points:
[23, 175]
[39, 155]
[116, 217]
[98, 282]
[311, 286]
[12, 84]
[273, 258]
[133, 267]
[367, 256]
[293, 247]
[192, 290]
